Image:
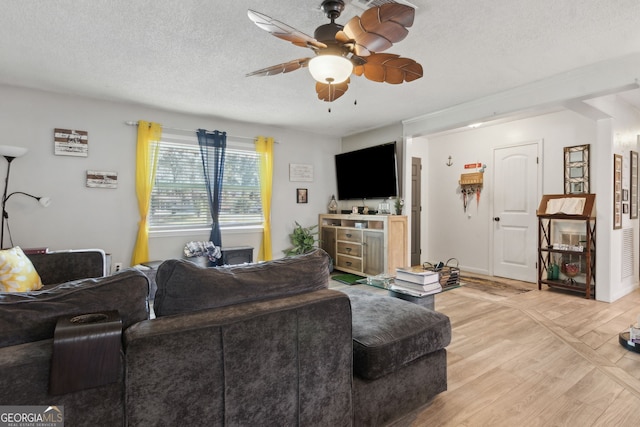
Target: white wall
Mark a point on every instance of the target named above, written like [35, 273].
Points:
[373, 137]
[81, 217]
[620, 135]
[607, 123]
[467, 236]
[449, 232]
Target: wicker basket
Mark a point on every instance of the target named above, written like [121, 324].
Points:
[449, 274]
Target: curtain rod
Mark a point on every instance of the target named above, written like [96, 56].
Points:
[133, 123]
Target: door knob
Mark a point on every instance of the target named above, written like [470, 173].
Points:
[496, 219]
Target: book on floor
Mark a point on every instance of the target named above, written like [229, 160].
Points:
[417, 275]
[429, 287]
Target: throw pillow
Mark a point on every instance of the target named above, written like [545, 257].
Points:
[17, 273]
[184, 287]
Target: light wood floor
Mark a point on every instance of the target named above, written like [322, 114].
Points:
[540, 358]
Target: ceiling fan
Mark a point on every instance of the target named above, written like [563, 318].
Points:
[352, 49]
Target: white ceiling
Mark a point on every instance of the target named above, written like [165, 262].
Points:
[192, 55]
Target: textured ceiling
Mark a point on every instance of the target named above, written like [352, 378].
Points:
[192, 55]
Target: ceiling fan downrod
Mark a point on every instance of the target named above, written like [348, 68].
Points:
[327, 33]
[332, 8]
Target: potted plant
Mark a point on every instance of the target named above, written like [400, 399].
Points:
[303, 239]
[399, 205]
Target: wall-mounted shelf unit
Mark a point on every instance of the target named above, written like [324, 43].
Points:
[365, 244]
[567, 239]
[473, 178]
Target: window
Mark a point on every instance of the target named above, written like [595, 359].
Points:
[179, 196]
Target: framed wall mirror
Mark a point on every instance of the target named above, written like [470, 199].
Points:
[576, 169]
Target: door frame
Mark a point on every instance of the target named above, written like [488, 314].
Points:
[415, 224]
[540, 144]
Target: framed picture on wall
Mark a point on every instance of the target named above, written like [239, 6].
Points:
[301, 195]
[300, 172]
[102, 179]
[633, 186]
[617, 191]
[70, 142]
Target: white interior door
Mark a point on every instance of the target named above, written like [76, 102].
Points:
[515, 200]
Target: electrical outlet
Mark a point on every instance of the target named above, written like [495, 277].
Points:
[117, 266]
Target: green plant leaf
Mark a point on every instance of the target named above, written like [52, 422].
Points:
[303, 239]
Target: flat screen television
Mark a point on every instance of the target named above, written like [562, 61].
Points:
[369, 173]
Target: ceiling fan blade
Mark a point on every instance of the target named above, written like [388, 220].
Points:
[284, 31]
[378, 28]
[389, 68]
[331, 92]
[285, 67]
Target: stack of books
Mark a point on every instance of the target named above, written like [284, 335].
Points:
[417, 281]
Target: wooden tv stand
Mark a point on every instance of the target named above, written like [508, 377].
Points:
[365, 244]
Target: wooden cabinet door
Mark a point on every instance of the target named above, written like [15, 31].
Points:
[373, 252]
[328, 241]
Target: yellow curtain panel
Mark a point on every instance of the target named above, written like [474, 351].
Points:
[264, 146]
[149, 135]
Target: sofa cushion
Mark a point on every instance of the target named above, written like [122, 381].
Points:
[17, 273]
[32, 316]
[389, 333]
[65, 266]
[184, 286]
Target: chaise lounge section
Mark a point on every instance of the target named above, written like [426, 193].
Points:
[399, 356]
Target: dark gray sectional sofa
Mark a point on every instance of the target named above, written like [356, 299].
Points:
[257, 344]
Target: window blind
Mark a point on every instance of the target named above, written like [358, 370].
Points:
[179, 196]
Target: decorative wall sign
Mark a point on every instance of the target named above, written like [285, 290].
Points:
[617, 191]
[300, 172]
[100, 179]
[69, 142]
[633, 213]
[301, 195]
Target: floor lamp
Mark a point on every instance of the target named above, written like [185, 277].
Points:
[10, 152]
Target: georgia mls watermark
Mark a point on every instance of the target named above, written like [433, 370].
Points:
[31, 416]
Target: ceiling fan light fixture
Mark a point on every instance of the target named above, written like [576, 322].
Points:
[330, 69]
[353, 48]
